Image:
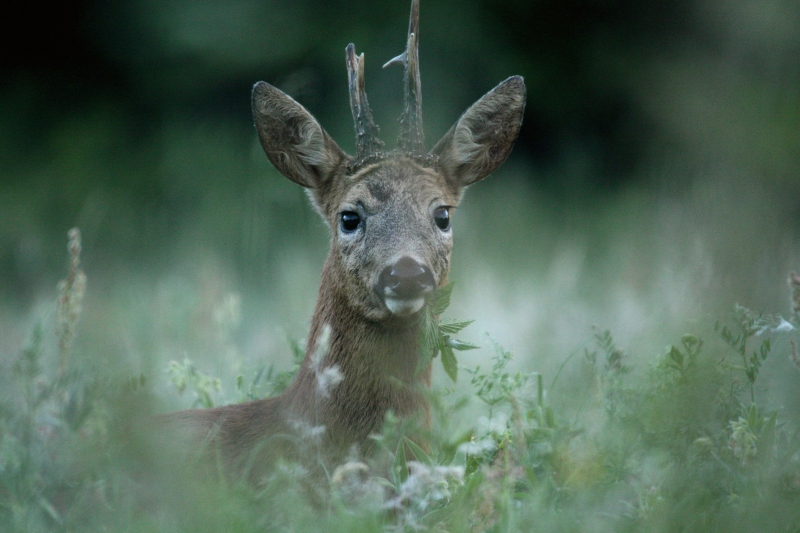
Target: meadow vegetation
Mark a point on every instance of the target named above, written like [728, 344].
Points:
[689, 442]
[617, 386]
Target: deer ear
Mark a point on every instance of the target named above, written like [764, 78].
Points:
[293, 140]
[483, 137]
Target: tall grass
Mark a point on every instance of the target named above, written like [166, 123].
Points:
[691, 440]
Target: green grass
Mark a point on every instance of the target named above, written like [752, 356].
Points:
[691, 440]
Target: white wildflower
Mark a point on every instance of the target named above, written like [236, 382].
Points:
[307, 431]
[477, 446]
[352, 483]
[497, 425]
[425, 487]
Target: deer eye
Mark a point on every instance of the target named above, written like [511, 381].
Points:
[349, 221]
[442, 218]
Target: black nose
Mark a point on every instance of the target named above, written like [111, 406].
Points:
[407, 279]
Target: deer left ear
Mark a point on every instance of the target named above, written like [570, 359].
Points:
[483, 137]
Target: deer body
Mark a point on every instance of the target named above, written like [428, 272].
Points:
[389, 216]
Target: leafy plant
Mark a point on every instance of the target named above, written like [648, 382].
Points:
[498, 385]
[436, 335]
[749, 325]
[184, 375]
[684, 445]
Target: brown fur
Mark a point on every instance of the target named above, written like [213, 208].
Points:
[373, 350]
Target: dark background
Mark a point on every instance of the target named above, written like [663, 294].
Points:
[132, 120]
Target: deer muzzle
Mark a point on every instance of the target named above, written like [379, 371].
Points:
[404, 285]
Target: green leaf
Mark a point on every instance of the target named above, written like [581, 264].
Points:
[400, 466]
[449, 362]
[752, 417]
[440, 299]
[50, 510]
[419, 453]
[428, 338]
[539, 390]
[461, 346]
[385, 482]
[453, 326]
[690, 341]
[766, 438]
[676, 356]
[765, 348]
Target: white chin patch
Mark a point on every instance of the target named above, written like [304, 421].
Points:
[404, 307]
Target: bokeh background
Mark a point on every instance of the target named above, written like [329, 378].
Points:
[655, 182]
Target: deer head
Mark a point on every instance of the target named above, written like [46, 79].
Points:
[389, 212]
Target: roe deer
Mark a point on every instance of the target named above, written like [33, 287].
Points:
[389, 217]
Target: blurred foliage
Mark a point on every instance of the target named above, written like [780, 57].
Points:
[684, 446]
[141, 110]
[654, 183]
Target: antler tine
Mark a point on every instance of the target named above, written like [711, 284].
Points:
[411, 135]
[367, 141]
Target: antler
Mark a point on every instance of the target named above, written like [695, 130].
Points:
[411, 135]
[367, 141]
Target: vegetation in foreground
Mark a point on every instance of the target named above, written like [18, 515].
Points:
[690, 443]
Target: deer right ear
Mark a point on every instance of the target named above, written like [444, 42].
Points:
[293, 140]
[483, 137]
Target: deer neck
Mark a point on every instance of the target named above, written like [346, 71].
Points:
[362, 349]
[378, 362]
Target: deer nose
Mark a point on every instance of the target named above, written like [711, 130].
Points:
[406, 279]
